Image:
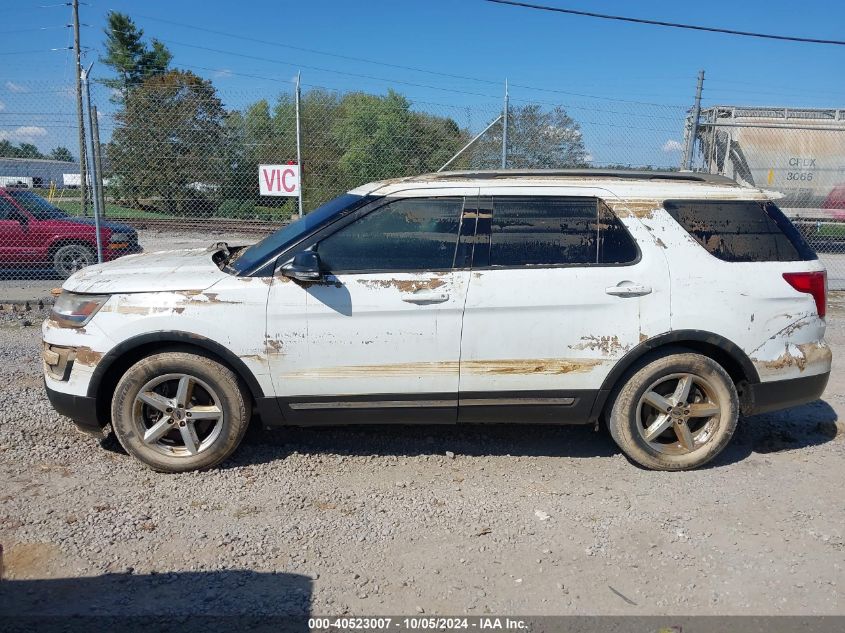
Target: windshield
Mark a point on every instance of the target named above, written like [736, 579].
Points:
[35, 204]
[249, 259]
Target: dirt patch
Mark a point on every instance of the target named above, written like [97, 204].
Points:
[86, 356]
[29, 560]
[404, 285]
[499, 366]
[607, 345]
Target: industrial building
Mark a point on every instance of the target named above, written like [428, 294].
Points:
[38, 172]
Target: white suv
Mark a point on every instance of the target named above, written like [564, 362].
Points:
[664, 304]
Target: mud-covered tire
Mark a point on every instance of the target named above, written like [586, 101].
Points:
[636, 420]
[69, 258]
[170, 438]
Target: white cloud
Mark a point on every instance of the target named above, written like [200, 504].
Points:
[2, 106]
[24, 133]
[223, 73]
[672, 146]
[13, 87]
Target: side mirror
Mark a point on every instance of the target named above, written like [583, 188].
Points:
[305, 266]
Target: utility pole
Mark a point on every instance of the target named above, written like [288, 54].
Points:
[80, 121]
[298, 147]
[692, 128]
[98, 160]
[505, 129]
[94, 175]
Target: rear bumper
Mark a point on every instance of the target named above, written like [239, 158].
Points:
[82, 410]
[782, 394]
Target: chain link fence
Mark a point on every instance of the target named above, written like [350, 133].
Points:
[180, 159]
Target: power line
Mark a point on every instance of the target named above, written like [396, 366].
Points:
[328, 70]
[495, 82]
[677, 25]
[41, 50]
[36, 28]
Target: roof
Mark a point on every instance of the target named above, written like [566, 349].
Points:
[621, 183]
[488, 174]
[16, 159]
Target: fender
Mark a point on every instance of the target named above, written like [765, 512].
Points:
[676, 337]
[165, 337]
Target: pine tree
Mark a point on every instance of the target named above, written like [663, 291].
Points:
[129, 56]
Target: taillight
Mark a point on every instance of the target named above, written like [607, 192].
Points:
[814, 283]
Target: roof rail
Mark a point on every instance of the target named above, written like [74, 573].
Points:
[687, 176]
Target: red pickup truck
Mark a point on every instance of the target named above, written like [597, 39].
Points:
[34, 234]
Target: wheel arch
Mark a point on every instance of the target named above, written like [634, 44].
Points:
[65, 240]
[725, 352]
[115, 363]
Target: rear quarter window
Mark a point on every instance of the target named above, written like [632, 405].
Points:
[741, 231]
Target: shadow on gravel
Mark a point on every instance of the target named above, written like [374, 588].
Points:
[576, 441]
[792, 429]
[27, 274]
[235, 600]
[808, 425]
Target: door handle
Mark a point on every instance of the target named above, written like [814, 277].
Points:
[628, 290]
[425, 297]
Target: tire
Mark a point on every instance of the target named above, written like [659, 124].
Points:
[650, 412]
[152, 427]
[70, 258]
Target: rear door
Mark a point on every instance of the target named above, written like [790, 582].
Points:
[379, 340]
[559, 293]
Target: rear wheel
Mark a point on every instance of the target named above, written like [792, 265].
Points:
[675, 413]
[69, 258]
[178, 411]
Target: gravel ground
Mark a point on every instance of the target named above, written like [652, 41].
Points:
[380, 520]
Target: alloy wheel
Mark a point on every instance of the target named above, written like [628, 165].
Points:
[178, 415]
[678, 413]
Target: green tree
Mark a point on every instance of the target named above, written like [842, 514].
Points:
[28, 150]
[346, 141]
[169, 144]
[62, 153]
[129, 56]
[375, 133]
[537, 139]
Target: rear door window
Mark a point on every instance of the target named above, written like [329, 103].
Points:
[557, 231]
[741, 231]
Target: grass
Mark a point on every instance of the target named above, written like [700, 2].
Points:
[120, 212]
[74, 207]
[830, 230]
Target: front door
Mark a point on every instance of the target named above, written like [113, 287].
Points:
[379, 338]
[15, 239]
[558, 294]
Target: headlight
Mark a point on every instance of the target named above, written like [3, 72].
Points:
[75, 310]
[119, 241]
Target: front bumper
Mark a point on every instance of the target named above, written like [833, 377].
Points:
[763, 397]
[81, 409]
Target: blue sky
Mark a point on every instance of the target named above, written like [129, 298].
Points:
[605, 73]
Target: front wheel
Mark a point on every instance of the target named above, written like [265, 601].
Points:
[675, 413]
[70, 258]
[178, 411]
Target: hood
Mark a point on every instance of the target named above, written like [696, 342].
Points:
[192, 269]
[115, 227]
